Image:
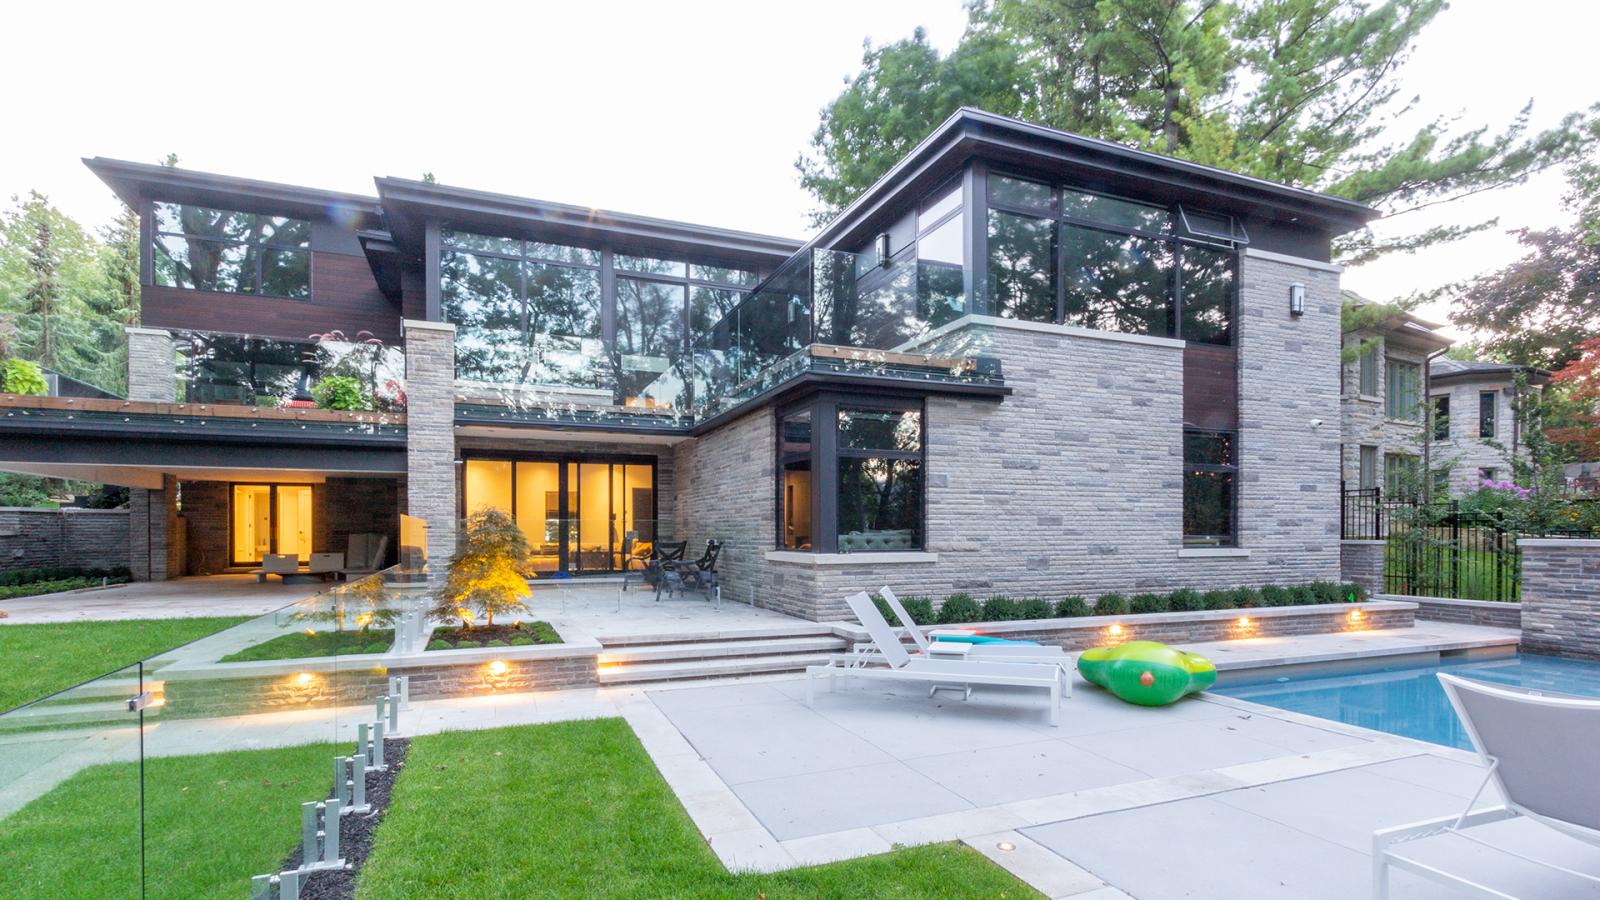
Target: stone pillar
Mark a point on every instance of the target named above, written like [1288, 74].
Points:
[152, 371]
[430, 433]
[155, 548]
[1561, 596]
[1361, 562]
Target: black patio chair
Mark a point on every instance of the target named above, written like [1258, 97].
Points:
[698, 575]
[662, 555]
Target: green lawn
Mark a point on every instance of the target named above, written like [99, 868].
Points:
[576, 809]
[300, 645]
[211, 822]
[36, 660]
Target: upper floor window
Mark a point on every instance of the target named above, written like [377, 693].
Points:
[1486, 414]
[232, 252]
[1110, 264]
[1441, 418]
[1367, 374]
[1402, 390]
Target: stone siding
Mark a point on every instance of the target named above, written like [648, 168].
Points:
[157, 535]
[1361, 562]
[1464, 450]
[205, 507]
[1363, 418]
[1074, 483]
[1494, 614]
[1561, 596]
[54, 538]
[430, 434]
[152, 365]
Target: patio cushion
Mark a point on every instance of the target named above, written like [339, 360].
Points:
[898, 539]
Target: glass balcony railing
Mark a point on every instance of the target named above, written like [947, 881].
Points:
[331, 371]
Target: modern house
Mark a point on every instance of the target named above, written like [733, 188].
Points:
[1462, 425]
[1023, 361]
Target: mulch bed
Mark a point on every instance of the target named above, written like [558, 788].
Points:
[520, 634]
[356, 832]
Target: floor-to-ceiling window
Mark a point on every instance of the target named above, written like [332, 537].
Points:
[577, 514]
[270, 518]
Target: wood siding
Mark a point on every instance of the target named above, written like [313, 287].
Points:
[344, 297]
[1211, 387]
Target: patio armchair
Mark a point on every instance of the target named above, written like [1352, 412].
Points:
[698, 575]
[1541, 752]
[662, 553]
[279, 564]
[902, 666]
[364, 554]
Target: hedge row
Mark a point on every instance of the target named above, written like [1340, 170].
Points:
[33, 588]
[59, 573]
[962, 608]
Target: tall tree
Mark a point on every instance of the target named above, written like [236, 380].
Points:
[1575, 391]
[1540, 308]
[1296, 91]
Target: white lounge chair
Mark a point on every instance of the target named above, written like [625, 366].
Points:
[1007, 652]
[902, 666]
[1542, 752]
[279, 564]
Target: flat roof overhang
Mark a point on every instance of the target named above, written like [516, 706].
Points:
[810, 382]
[408, 206]
[135, 183]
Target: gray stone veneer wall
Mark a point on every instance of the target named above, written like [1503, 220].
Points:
[156, 533]
[152, 363]
[1496, 614]
[1074, 483]
[1364, 419]
[430, 433]
[1561, 596]
[1465, 451]
[49, 538]
[1361, 562]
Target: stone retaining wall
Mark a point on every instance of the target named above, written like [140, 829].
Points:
[1561, 596]
[1361, 562]
[1496, 614]
[47, 538]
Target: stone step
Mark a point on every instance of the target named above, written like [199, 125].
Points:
[642, 653]
[741, 633]
[709, 668]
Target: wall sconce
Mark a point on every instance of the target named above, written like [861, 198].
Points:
[1297, 299]
[883, 250]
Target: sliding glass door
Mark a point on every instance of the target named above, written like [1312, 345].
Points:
[270, 518]
[575, 513]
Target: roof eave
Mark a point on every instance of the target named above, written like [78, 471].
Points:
[135, 183]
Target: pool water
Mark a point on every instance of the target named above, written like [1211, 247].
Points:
[1408, 700]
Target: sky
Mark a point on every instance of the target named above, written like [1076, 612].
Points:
[693, 111]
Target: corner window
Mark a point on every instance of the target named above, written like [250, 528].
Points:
[857, 486]
[1486, 414]
[1441, 418]
[231, 252]
[1402, 390]
[1210, 488]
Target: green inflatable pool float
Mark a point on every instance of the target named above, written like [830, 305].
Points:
[1147, 673]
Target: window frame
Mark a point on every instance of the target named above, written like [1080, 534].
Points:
[1176, 235]
[825, 454]
[1367, 381]
[1441, 417]
[1488, 426]
[156, 233]
[272, 514]
[1231, 539]
[1392, 369]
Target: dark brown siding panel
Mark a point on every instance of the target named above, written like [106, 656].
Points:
[344, 297]
[1210, 387]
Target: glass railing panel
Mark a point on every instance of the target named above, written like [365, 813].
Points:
[70, 791]
[329, 371]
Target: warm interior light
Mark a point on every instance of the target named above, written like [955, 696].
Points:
[1115, 629]
[498, 667]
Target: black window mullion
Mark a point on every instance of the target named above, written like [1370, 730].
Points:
[825, 475]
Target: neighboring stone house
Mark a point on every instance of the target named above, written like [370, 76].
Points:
[1475, 430]
[1383, 399]
[1022, 362]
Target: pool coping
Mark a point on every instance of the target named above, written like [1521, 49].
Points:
[1509, 638]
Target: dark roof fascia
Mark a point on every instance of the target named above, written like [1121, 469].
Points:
[471, 414]
[1503, 370]
[970, 133]
[385, 259]
[138, 182]
[183, 430]
[811, 382]
[408, 204]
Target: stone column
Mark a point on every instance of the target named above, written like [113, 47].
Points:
[1361, 562]
[151, 365]
[155, 550]
[430, 433]
[1561, 596]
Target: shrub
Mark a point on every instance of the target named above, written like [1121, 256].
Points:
[545, 633]
[21, 376]
[496, 643]
[1273, 595]
[376, 648]
[1072, 608]
[920, 609]
[959, 608]
[340, 392]
[1245, 597]
[1303, 595]
[1185, 600]
[1110, 605]
[1000, 609]
[1350, 592]
[1147, 603]
[523, 640]
[1217, 599]
[883, 608]
[439, 645]
[463, 645]
[1037, 608]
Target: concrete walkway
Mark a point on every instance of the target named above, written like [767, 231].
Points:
[180, 598]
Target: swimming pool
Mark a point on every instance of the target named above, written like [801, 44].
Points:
[1407, 699]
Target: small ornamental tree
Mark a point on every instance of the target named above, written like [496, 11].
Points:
[486, 575]
[366, 602]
